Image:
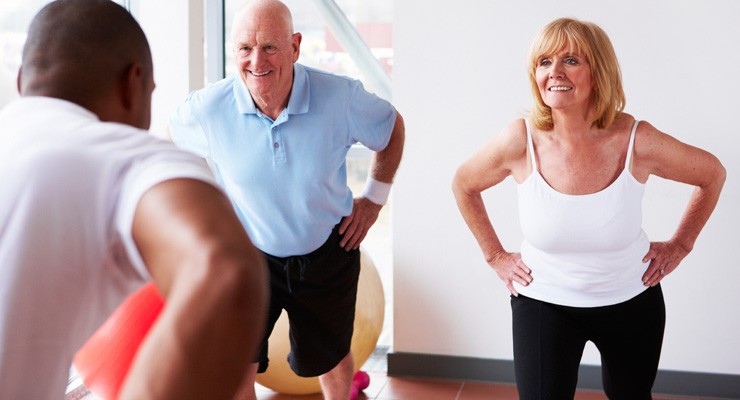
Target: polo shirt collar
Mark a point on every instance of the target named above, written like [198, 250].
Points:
[299, 93]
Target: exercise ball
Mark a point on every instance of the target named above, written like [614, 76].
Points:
[104, 360]
[369, 314]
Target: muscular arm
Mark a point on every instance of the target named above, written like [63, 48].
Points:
[662, 155]
[383, 168]
[504, 155]
[214, 282]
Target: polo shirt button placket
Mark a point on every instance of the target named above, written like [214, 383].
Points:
[278, 148]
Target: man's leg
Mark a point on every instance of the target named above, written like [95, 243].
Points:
[336, 383]
[246, 392]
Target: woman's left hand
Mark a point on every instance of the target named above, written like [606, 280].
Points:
[664, 258]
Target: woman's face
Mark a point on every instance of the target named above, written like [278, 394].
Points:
[564, 80]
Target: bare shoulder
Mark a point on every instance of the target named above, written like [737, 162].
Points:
[648, 133]
[503, 155]
[650, 142]
[658, 153]
[507, 150]
[648, 150]
[623, 122]
[512, 141]
[518, 155]
[515, 132]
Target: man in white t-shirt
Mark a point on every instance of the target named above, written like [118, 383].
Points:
[91, 207]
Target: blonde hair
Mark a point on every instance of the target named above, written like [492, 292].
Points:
[591, 42]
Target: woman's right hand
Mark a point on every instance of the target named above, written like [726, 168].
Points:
[510, 268]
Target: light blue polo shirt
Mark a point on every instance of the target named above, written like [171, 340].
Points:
[286, 178]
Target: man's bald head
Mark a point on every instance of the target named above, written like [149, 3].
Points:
[269, 10]
[79, 50]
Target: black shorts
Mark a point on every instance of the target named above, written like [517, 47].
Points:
[318, 291]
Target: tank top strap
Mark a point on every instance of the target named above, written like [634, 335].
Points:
[630, 148]
[530, 146]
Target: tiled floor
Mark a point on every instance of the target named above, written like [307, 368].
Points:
[383, 387]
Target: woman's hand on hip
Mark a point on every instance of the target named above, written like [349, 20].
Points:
[510, 268]
[664, 258]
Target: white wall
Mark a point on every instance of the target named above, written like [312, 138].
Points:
[459, 77]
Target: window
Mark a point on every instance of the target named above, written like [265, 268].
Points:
[322, 48]
[15, 17]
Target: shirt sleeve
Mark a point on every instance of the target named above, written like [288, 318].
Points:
[186, 130]
[370, 118]
[167, 165]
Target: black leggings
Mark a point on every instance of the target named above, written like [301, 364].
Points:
[549, 341]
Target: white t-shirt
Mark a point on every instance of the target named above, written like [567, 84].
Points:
[69, 186]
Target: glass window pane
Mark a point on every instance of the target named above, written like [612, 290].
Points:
[320, 48]
[15, 17]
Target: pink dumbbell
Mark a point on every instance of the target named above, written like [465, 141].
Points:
[360, 382]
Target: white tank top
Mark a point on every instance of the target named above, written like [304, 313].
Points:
[583, 250]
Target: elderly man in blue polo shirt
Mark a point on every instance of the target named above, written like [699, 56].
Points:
[277, 135]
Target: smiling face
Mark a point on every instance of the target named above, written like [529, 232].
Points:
[572, 63]
[564, 81]
[265, 49]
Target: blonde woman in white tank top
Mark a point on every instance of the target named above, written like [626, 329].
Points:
[581, 164]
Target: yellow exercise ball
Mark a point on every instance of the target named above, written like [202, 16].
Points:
[369, 314]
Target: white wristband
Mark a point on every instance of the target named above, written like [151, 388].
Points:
[376, 191]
